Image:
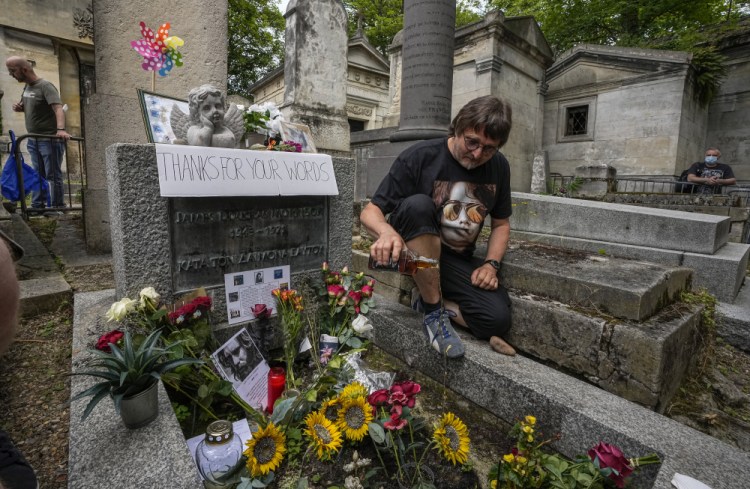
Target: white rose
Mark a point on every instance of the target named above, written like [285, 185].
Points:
[120, 309]
[361, 324]
[151, 294]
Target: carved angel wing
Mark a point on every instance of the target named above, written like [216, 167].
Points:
[234, 120]
[180, 123]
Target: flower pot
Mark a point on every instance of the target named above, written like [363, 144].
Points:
[140, 409]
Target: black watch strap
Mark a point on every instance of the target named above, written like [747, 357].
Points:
[495, 264]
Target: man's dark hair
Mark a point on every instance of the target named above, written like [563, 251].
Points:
[488, 115]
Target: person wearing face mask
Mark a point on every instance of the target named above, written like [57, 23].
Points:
[711, 174]
[436, 197]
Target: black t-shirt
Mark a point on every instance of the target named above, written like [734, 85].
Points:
[719, 170]
[463, 196]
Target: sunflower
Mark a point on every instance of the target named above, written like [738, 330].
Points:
[265, 450]
[330, 409]
[354, 416]
[452, 439]
[324, 435]
[355, 389]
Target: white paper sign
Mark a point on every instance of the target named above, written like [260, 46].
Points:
[246, 289]
[200, 171]
[240, 362]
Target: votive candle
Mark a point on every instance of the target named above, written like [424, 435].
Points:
[276, 383]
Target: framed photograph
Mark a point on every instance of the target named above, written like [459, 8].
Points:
[299, 133]
[156, 110]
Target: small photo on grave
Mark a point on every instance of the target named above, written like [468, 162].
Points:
[234, 313]
[278, 274]
[234, 297]
[259, 278]
[283, 286]
[238, 357]
[239, 280]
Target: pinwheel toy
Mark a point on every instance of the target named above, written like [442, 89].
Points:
[159, 50]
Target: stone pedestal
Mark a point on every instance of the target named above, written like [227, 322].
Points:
[315, 67]
[598, 180]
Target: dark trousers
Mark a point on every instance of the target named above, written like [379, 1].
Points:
[486, 312]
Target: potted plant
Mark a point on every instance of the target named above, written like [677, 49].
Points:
[130, 373]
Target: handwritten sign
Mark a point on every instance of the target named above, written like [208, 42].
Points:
[198, 171]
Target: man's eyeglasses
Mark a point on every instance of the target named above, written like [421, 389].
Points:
[475, 212]
[473, 144]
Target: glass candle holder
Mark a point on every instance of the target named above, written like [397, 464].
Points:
[218, 455]
[276, 384]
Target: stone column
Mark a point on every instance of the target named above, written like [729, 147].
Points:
[427, 73]
[113, 114]
[315, 68]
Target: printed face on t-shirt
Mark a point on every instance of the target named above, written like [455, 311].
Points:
[462, 214]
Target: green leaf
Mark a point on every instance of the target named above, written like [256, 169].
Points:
[203, 391]
[354, 342]
[377, 433]
[302, 483]
[312, 395]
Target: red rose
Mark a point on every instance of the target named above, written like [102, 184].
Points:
[203, 303]
[336, 290]
[395, 423]
[606, 456]
[378, 398]
[189, 309]
[399, 398]
[409, 389]
[366, 291]
[260, 311]
[112, 337]
[355, 296]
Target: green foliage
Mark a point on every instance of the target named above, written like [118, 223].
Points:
[128, 370]
[256, 32]
[382, 19]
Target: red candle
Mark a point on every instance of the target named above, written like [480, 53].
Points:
[276, 383]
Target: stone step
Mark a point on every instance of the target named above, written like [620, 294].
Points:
[40, 295]
[619, 223]
[721, 273]
[733, 320]
[583, 414]
[643, 362]
[623, 288]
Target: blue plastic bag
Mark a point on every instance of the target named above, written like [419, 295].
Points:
[9, 177]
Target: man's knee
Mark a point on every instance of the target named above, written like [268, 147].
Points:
[490, 321]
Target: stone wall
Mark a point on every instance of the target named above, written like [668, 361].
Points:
[642, 120]
[54, 38]
[729, 112]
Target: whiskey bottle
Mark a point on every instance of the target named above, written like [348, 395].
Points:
[408, 263]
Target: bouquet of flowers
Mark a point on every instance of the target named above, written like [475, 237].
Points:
[346, 297]
[290, 146]
[526, 466]
[289, 305]
[397, 430]
[262, 118]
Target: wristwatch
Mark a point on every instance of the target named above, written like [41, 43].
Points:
[495, 264]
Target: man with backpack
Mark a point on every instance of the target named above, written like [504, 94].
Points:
[710, 174]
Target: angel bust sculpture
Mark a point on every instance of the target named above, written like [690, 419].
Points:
[208, 124]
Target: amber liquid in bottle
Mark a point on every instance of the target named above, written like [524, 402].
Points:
[407, 264]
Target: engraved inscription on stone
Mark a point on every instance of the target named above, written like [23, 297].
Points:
[214, 236]
[427, 75]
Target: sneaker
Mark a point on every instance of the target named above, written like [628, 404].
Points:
[15, 471]
[441, 335]
[416, 300]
